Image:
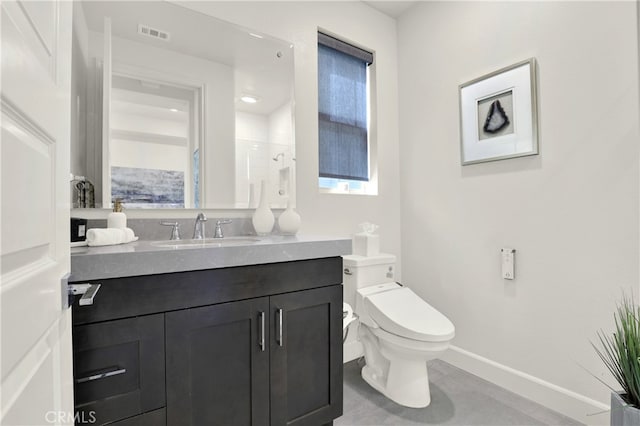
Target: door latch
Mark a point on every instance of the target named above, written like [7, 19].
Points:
[87, 291]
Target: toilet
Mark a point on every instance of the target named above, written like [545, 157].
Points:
[398, 330]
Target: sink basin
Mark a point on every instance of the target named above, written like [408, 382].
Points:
[206, 242]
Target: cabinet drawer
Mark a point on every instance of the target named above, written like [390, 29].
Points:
[118, 368]
[134, 296]
[154, 418]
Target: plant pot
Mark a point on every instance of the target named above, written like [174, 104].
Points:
[623, 414]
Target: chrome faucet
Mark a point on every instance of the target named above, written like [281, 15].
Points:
[198, 229]
[175, 230]
[218, 232]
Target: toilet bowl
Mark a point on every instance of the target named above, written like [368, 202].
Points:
[398, 330]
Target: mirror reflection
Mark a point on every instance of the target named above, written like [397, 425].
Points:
[176, 109]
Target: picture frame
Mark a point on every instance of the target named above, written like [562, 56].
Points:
[498, 115]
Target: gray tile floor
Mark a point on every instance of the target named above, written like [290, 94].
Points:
[457, 398]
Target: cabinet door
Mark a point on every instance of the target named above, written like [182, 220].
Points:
[218, 365]
[306, 357]
[118, 368]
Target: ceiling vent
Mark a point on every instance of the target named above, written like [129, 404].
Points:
[148, 31]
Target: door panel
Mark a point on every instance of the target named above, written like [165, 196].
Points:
[305, 342]
[217, 372]
[306, 369]
[37, 23]
[36, 367]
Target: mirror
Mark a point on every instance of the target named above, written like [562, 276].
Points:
[177, 109]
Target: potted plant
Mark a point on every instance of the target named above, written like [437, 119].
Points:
[621, 354]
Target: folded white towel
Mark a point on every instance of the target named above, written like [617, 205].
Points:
[128, 235]
[109, 236]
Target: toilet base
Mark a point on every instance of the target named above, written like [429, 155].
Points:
[406, 390]
[395, 372]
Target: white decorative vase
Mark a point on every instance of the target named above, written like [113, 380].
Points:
[289, 220]
[263, 219]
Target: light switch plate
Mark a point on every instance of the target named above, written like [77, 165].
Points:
[508, 263]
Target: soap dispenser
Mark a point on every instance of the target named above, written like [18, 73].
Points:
[117, 219]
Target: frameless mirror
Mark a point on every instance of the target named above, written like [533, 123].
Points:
[177, 109]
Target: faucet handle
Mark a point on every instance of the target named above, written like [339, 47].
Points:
[218, 232]
[175, 231]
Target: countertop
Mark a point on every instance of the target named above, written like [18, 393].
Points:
[147, 258]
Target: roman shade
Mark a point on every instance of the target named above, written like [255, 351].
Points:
[342, 109]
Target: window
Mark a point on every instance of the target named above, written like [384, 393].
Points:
[343, 110]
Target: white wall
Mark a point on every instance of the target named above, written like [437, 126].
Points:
[280, 125]
[145, 155]
[571, 212]
[298, 22]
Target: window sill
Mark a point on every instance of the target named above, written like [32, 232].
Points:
[347, 192]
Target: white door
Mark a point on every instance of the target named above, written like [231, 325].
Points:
[35, 331]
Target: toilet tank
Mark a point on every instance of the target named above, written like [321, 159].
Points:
[365, 271]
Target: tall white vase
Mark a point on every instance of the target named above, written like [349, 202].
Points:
[263, 219]
[289, 220]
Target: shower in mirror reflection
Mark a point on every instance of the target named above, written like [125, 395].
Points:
[284, 176]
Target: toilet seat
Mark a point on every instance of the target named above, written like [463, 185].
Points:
[400, 311]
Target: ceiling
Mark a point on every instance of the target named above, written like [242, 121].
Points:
[391, 8]
[263, 65]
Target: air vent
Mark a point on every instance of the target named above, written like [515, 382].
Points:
[148, 31]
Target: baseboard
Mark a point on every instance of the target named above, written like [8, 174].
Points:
[559, 399]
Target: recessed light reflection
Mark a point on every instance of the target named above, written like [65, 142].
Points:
[249, 99]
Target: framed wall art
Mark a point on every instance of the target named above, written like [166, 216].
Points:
[498, 115]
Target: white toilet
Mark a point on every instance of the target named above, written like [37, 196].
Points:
[398, 330]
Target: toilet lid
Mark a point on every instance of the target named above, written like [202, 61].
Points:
[404, 313]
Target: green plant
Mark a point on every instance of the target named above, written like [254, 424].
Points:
[621, 351]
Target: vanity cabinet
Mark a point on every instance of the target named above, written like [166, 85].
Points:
[216, 368]
[250, 345]
[119, 368]
[306, 357]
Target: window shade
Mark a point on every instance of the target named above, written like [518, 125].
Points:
[342, 109]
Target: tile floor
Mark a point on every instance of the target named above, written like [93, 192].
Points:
[457, 398]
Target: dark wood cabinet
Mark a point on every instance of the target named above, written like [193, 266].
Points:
[278, 360]
[306, 357]
[253, 345]
[217, 368]
[118, 368]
